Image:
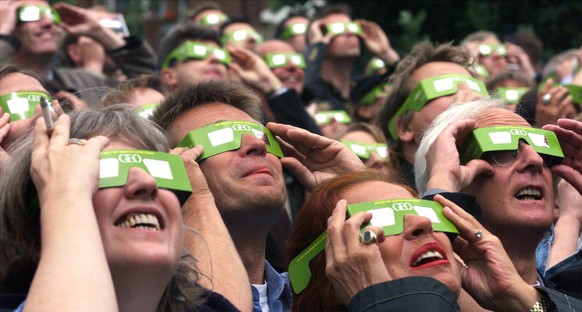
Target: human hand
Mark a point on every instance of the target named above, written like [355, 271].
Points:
[72, 101]
[442, 159]
[253, 70]
[4, 129]
[313, 158]
[516, 55]
[197, 180]
[316, 35]
[80, 22]
[488, 276]
[569, 133]
[559, 104]
[8, 12]
[570, 202]
[55, 162]
[377, 42]
[352, 266]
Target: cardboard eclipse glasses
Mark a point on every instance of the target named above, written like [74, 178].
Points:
[389, 214]
[241, 35]
[364, 150]
[33, 13]
[293, 30]
[276, 60]
[195, 50]
[21, 105]
[430, 89]
[342, 28]
[226, 136]
[494, 140]
[167, 169]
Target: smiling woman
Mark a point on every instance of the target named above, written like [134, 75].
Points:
[105, 207]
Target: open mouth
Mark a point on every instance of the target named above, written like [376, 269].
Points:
[529, 194]
[428, 257]
[146, 221]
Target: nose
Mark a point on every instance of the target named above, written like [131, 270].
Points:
[140, 185]
[416, 226]
[465, 94]
[529, 160]
[375, 161]
[251, 145]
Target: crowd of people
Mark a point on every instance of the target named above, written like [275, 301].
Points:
[229, 170]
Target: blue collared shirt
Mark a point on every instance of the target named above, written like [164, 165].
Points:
[278, 291]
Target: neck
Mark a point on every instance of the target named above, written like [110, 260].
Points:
[338, 73]
[408, 151]
[138, 290]
[40, 64]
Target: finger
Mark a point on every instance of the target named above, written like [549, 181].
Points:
[469, 228]
[97, 143]
[545, 88]
[334, 228]
[377, 230]
[40, 139]
[57, 108]
[299, 171]
[477, 167]
[61, 132]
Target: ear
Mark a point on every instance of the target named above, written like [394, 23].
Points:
[169, 78]
[405, 132]
[74, 53]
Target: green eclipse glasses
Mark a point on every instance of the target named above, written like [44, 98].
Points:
[364, 150]
[226, 136]
[432, 88]
[241, 35]
[374, 94]
[501, 144]
[146, 111]
[167, 169]
[488, 49]
[511, 95]
[195, 50]
[342, 28]
[389, 214]
[212, 19]
[576, 92]
[326, 117]
[276, 60]
[21, 105]
[33, 13]
[293, 30]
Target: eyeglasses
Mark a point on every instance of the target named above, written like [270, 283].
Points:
[21, 105]
[293, 30]
[212, 19]
[500, 145]
[226, 136]
[432, 88]
[167, 169]
[33, 13]
[389, 214]
[488, 49]
[342, 28]
[275, 60]
[511, 95]
[195, 50]
[240, 36]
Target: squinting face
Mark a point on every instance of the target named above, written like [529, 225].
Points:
[418, 251]
[245, 179]
[344, 45]
[37, 38]
[519, 195]
[140, 224]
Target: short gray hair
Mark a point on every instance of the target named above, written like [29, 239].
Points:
[456, 112]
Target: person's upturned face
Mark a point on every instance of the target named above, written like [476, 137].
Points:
[344, 45]
[291, 75]
[363, 137]
[298, 41]
[37, 38]
[159, 245]
[494, 63]
[195, 70]
[249, 43]
[247, 179]
[517, 195]
[421, 120]
[401, 253]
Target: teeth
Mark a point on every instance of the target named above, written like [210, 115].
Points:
[146, 221]
[529, 194]
[427, 255]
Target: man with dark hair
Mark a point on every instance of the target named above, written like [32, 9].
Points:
[293, 30]
[207, 14]
[404, 127]
[247, 182]
[189, 54]
[238, 31]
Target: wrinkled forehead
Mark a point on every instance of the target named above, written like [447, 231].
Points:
[499, 117]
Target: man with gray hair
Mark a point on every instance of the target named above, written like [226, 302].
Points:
[512, 185]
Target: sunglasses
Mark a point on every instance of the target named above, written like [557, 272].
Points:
[33, 13]
[431, 88]
[226, 136]
[276, 60]
[388, 214]
[500, 145]
[195, 50]
[167, 169]
[21, 105]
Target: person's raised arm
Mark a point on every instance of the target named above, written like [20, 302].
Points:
[73, 274]
[569, 133]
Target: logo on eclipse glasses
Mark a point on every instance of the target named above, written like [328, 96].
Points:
[129, 158]
[241, 127]
[402, 206]
[518, 132]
